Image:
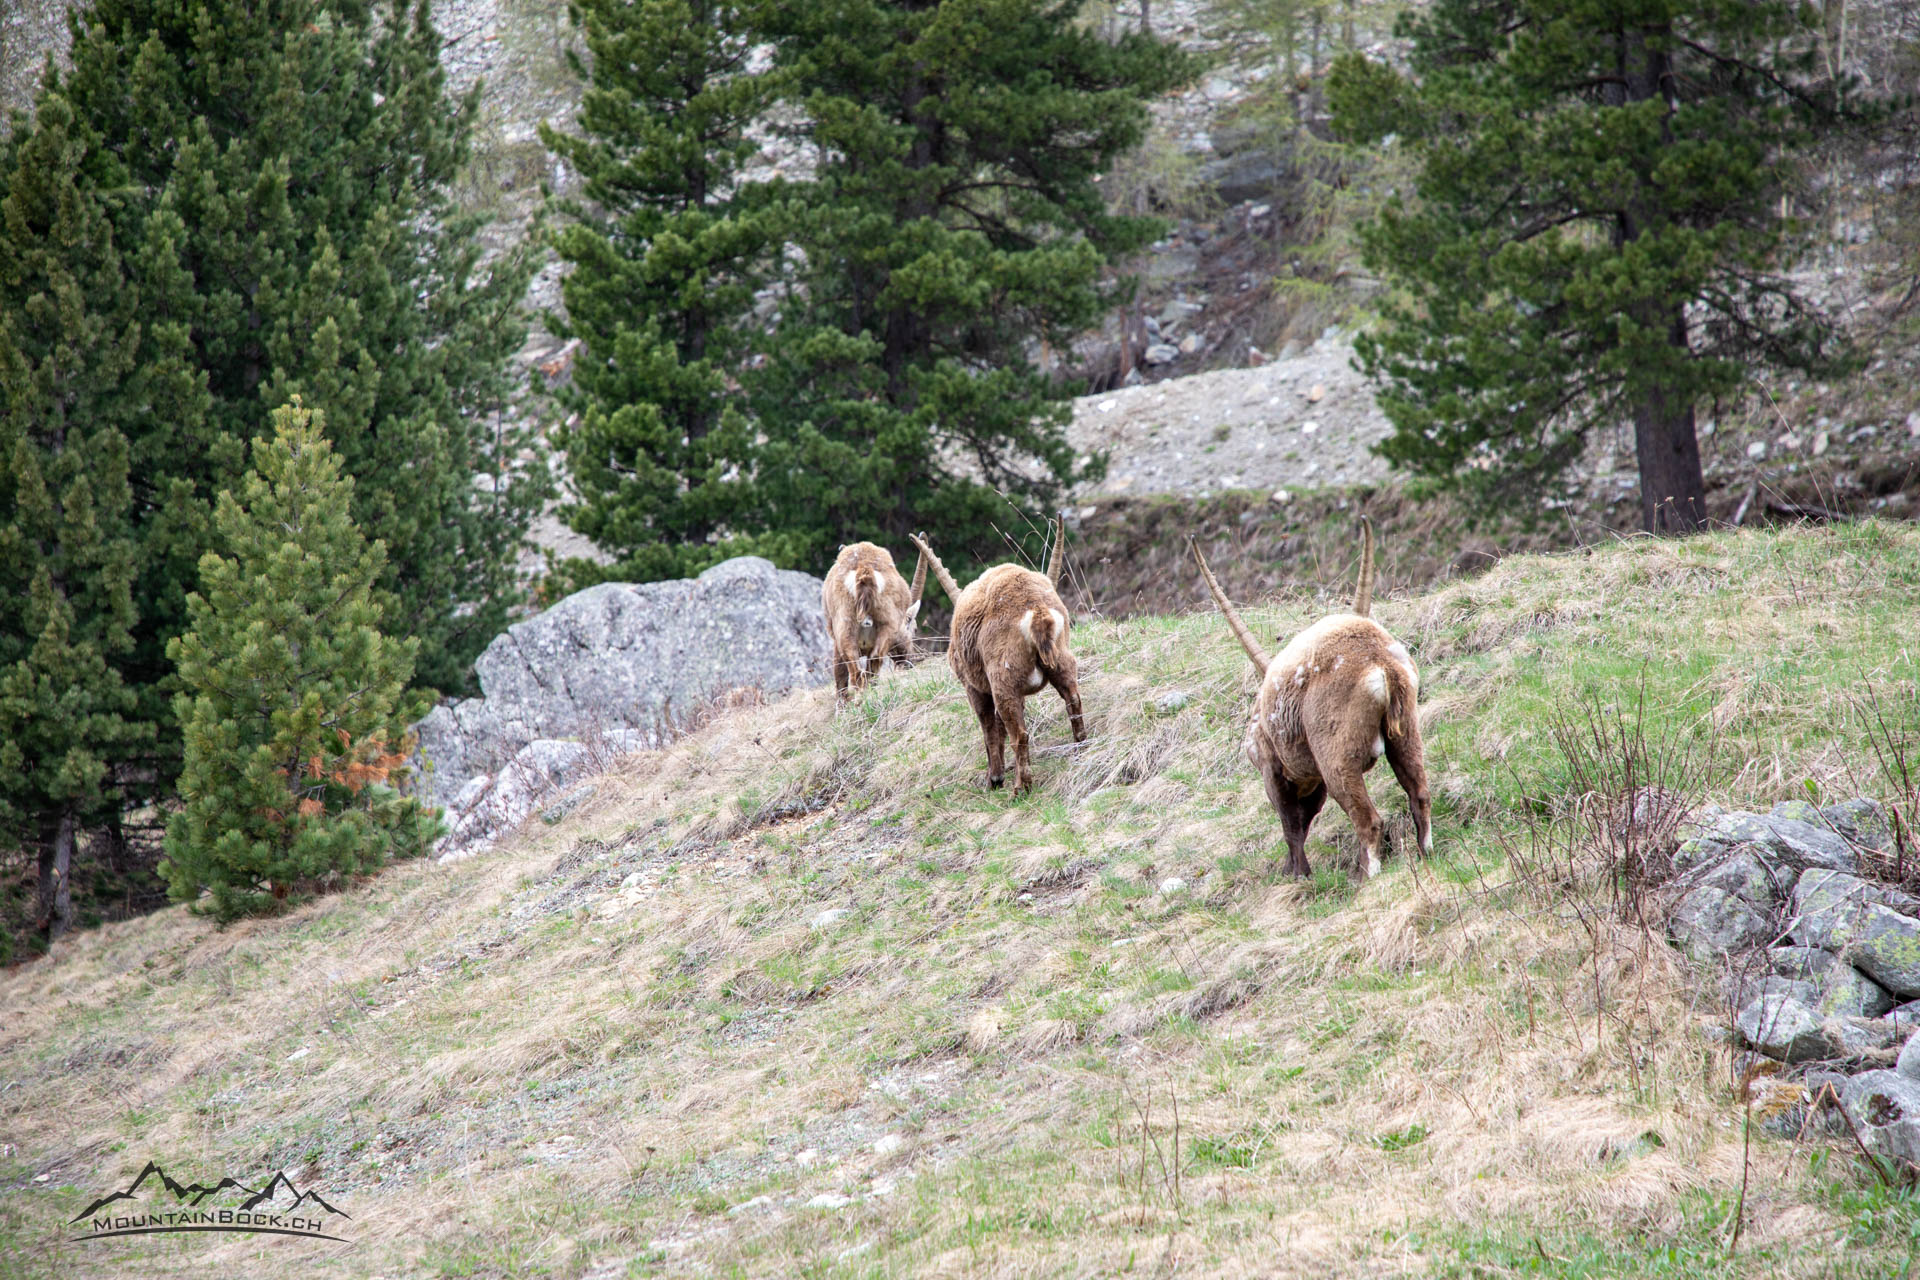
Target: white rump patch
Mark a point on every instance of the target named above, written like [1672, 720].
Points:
[1398, 652]
[1376, 684]
[853, 583]
[1059, 622]
[1026, 625]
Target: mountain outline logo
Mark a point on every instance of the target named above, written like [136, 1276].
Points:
[257, 1213]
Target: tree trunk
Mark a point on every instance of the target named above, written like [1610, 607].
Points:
[1673, 493]
[56, 868]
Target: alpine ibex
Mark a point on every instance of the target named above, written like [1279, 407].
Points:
[1009, 639]
[870, 612]
[1340, 695]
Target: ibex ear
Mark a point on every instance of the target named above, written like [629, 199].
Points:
[913, 611]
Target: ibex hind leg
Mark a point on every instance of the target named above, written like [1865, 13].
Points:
[1408, 761]
[995, 733]
[1066, 683]
[1011, 704]
[1348, 787]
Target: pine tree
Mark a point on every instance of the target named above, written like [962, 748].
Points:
[665, 257]
[1600, 230]
[284, 169]
[292, 705]
[70, 339]
[952, 226]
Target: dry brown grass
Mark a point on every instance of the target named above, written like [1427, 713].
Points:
[592, 1050]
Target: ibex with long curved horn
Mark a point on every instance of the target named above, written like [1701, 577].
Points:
[870, 612]
[1340, 695]
[1009, 639]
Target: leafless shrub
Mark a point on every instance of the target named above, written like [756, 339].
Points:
[1892, 724]
[1593, 845]
[1615, 810]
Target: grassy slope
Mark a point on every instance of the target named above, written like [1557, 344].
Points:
[620, 1045]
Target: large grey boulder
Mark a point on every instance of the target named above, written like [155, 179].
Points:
[1870, 925]
[1696, 852]
[1850, 993]
[1825, 904]
[1798, 811]
[1742, 874]
[492, 804]
[1904, 1019]
[1862, 823]
[1801, 962]
[1780, 837]
[1908, 1063]
[1711, 923]
[1884, 1108]
[1785, 1028]
[1863, 1037]
[637, 665]
[1782, 1024]
[1827, 984]
[1744, 991]
[1887, 949]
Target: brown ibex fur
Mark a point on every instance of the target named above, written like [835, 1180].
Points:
[870, 611]
[1009, 639]
[1340, 695]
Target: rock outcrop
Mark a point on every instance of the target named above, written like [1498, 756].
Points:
[609, 670]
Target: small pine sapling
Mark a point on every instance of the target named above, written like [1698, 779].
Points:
[293, 708]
